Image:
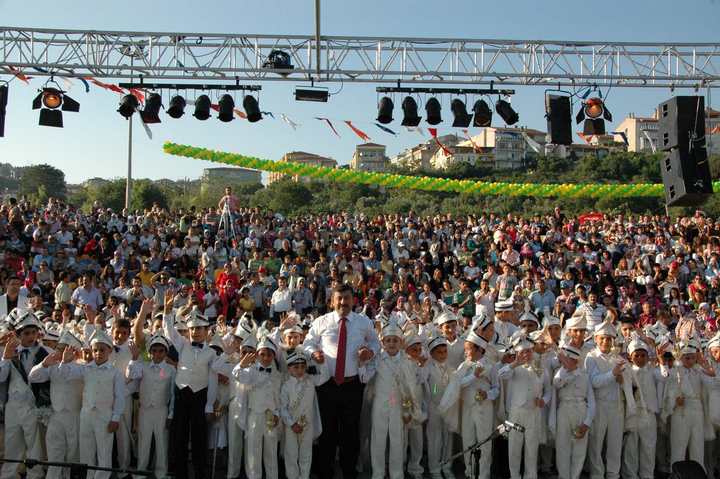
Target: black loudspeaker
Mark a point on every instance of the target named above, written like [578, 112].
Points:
[687, 470]
[686, 176]
[559, 119]
[681, 119]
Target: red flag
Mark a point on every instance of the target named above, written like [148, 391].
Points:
[585, 138]
[475, 147]
[106, 86]
[138, 94]
[357, 131]
[433, 133]
[20, 75]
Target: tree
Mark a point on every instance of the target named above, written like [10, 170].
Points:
[49, 177]
[285, 196]
[145, 194]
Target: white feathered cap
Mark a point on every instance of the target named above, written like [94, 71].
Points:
[476, 340]
[576, 321]
[571, 351]
[549, 319]
[296, 357]
[391, 329]
[266, 343]
[481, 321]
[445, 317]
[637, 344]
[159, 339]
[196, 320]
[100, 336]
[714, 342]
[437, 341]
[70, 339]
[690, 347]
[605, 329]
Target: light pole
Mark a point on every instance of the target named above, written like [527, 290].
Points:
[128, 181]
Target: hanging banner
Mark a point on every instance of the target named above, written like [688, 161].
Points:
[389, 180]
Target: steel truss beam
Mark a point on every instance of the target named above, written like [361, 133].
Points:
[211, 56]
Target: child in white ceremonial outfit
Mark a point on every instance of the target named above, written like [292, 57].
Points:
[575, 412]
[156, 378]
[414, 349]
[102, 405]
[474, 385]
[300, 413]
[263, 382]
[528, 392]
[683, 403]
[439, 443]
[641, 428]
[394, 404]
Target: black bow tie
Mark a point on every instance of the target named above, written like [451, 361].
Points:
[117, 349]
[266, 370]
[196, 344]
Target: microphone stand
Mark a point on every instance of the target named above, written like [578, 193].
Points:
[476, 451]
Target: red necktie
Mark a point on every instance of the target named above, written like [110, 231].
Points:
[342, 346]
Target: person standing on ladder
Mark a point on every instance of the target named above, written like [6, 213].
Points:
[229, 205]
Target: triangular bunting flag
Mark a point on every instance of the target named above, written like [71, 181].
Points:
[329, 123]
[433, 133]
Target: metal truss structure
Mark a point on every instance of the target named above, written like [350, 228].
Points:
[240, 57]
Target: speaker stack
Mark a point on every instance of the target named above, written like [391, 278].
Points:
[684, 166]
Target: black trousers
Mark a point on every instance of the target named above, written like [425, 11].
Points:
[340, 407]
[189, 421]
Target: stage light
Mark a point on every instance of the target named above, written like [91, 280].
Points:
[153, 103]
[226, 105]
[252, 109]
[432, 111]
[594, 112]
[385, 110]
[410, 112]
[51, 98]
[202, 107]
[312, 94]
[459, 111]
[177, 107]
[506, 112]
[48, 101]
[128, 106]
[483, 114]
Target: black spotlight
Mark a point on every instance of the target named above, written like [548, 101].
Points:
[53, 102]
[128, 106]
[385, 110]
[252, 109]
[506, 112]
[153, 103]
[177, 107]
[459, 111]
[226, 105]
[432, 111]
[202, 107]
[483, 114]
[410, 112]
[594, 112]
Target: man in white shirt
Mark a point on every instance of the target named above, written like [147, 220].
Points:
[341, 338]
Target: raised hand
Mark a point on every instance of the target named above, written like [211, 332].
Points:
[318, 357]
[247, 360]
[10, 351]
[52, 359]
[68, 355]
[169, 301]
[134, 350]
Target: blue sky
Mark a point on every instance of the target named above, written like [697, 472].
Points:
[94, 142]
